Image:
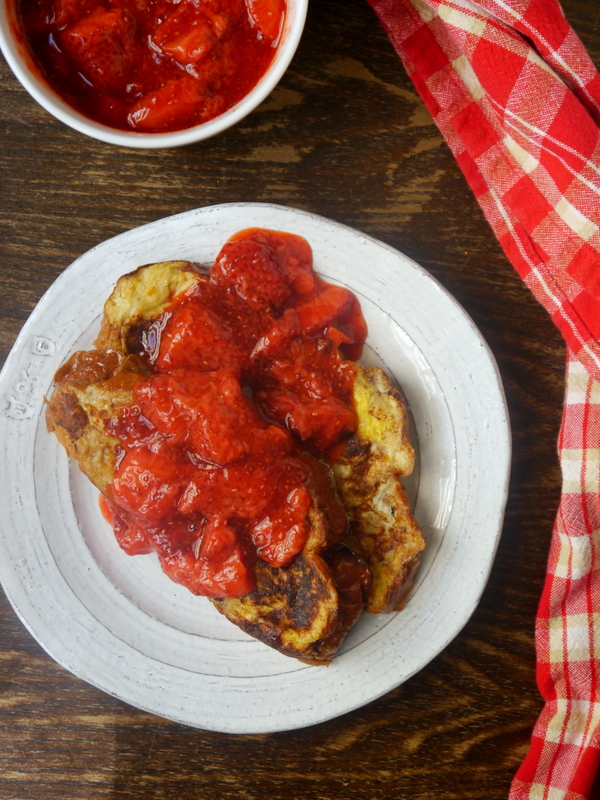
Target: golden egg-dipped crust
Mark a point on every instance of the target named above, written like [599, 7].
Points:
[382, 422]
[143, 295]
[90, 389]
[292, 609]
[383, 531]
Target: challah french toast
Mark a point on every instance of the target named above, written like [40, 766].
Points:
[182, 416]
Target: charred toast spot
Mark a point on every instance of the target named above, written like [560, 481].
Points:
[290, 608]
[357, 450]
[68, 414]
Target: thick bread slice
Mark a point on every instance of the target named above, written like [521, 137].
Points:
[143, 295]
[90, 389]
[382, 532]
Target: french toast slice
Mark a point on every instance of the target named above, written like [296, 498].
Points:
[382, 530]
[292, 610]
[143, 295]
[303, 610]
[89, 390]
[306, 609]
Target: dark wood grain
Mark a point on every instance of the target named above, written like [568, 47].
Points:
[346, 136]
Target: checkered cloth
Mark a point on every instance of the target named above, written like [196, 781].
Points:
[517, 98]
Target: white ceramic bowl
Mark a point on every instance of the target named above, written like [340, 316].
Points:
[17, 55]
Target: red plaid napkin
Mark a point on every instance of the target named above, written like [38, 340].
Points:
[517, 98]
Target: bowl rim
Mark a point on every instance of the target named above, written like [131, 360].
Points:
[16, 55]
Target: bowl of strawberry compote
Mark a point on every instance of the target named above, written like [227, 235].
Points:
[150, 73]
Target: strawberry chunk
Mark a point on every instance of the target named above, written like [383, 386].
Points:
[147, 484]
[157, 406]
[172, 105]
[254, 272]
[67, 11]
[191, 45]
[305, 319]
[101, 45]
[267, 16]
[281, 535]
[197, 337]
[219, 569]
[221, 420]
[186, 35]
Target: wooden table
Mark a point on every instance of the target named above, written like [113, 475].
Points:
[346, 136]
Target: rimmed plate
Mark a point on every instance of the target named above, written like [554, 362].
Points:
[117, 622]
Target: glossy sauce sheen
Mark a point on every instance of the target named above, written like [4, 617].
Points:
[248, 376]
[152, 66]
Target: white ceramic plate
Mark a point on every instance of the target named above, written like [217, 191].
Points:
[120, 624]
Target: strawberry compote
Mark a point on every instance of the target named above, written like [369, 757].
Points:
[152, 66]
[250, 380]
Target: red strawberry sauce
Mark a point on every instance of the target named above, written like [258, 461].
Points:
[247, 372]
[152, 66]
